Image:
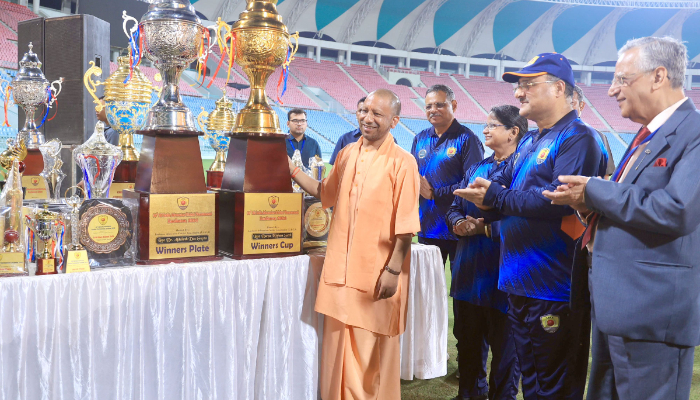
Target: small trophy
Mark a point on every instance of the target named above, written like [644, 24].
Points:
[217, 128]
[317, 220]
[45, 225]
[98, 159]
[52, 174]
[12, 258]
[77, 259]
[296, 160]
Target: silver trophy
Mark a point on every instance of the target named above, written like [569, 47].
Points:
[172, 39]
[31, 89]
[74, 202]
[98, 159]
[52, 174]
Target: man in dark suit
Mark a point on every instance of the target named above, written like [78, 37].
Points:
[642, 234]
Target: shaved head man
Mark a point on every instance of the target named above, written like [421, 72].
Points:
[374, 188]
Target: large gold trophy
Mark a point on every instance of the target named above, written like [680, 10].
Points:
[126, 106]
[266, 221]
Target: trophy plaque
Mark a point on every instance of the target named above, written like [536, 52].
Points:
[267, 217]
[30, 90]
[12, 256]
[317, 220]
[45, 224]
[177, 220]
[77, 258]
[105, 225]
[217, 127]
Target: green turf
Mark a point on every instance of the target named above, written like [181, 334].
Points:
[445, 387]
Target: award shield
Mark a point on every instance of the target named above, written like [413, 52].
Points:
[317, 220]
[105, 225]
[257, 184]
[31, 90]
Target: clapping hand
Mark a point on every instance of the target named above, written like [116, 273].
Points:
[475, 192]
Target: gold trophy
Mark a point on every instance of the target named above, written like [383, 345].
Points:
[12, 256]
[126, 107]
[45, 225]
[267, 217]
[77, 258]
[217, 127]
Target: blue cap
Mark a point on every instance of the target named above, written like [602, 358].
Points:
[545, 63]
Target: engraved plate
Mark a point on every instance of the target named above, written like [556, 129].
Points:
[115, 191]
[182, 225]
[77, 261]
[49, 265]
[12, 263]
[317, 220]
[272, 223]
[106, 227]
[36, 187]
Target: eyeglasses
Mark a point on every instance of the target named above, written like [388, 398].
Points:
[527, 85]
[493, 126]
[297, 121]
[438, 106]
[624, 81]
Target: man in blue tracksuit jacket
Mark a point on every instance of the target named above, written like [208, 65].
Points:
[537, 237]
[444, 152]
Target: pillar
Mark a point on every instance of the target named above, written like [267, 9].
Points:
[349, 57]
[318, 54]
[437, 67]
[379, 60]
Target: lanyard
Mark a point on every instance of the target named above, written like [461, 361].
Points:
[621, 167]
[303, 142]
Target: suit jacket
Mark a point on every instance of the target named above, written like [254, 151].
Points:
[645, 277]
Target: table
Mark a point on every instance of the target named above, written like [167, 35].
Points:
[218, 330]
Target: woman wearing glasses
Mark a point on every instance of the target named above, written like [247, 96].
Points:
[479, 307]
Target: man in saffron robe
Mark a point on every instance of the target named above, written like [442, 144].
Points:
[374, 188]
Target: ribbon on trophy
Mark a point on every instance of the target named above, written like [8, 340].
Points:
[58, 243]
[135, 43]
[203, 57]
[29, 240]
[284, 74]
[226, 50]
[7, 99]
[48, 107]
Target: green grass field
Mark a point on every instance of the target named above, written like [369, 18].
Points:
[446, 387]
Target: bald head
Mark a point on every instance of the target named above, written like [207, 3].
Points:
[390, 97]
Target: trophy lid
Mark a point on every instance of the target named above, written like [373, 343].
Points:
[138, 89]
[97, 145]
[171, 10]
[222, 118]
[30, 67]
[45, 214]
[260, 14]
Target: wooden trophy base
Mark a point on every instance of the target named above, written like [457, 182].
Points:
[124, 178]
[177, 218]
[260, 225]
[46, 266]
[262, 216]
[214, 179]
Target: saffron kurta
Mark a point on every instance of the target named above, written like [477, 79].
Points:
[375, 197]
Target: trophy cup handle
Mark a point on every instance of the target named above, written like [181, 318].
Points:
[56, 91]
[92, 85]
[126, 19]
[200, 119]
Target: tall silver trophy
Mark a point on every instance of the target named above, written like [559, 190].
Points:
[31, 89]
[172, 39]
[52, 174]
[98, 159]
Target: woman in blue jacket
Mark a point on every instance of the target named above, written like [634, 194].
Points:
[479, 307]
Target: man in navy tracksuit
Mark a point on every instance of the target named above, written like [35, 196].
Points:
[538, 238]
[444, 152]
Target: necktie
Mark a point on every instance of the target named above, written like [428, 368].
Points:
[638, 139]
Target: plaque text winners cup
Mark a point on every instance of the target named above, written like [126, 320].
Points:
[31, 90]
[257, 185]
[177, 217]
